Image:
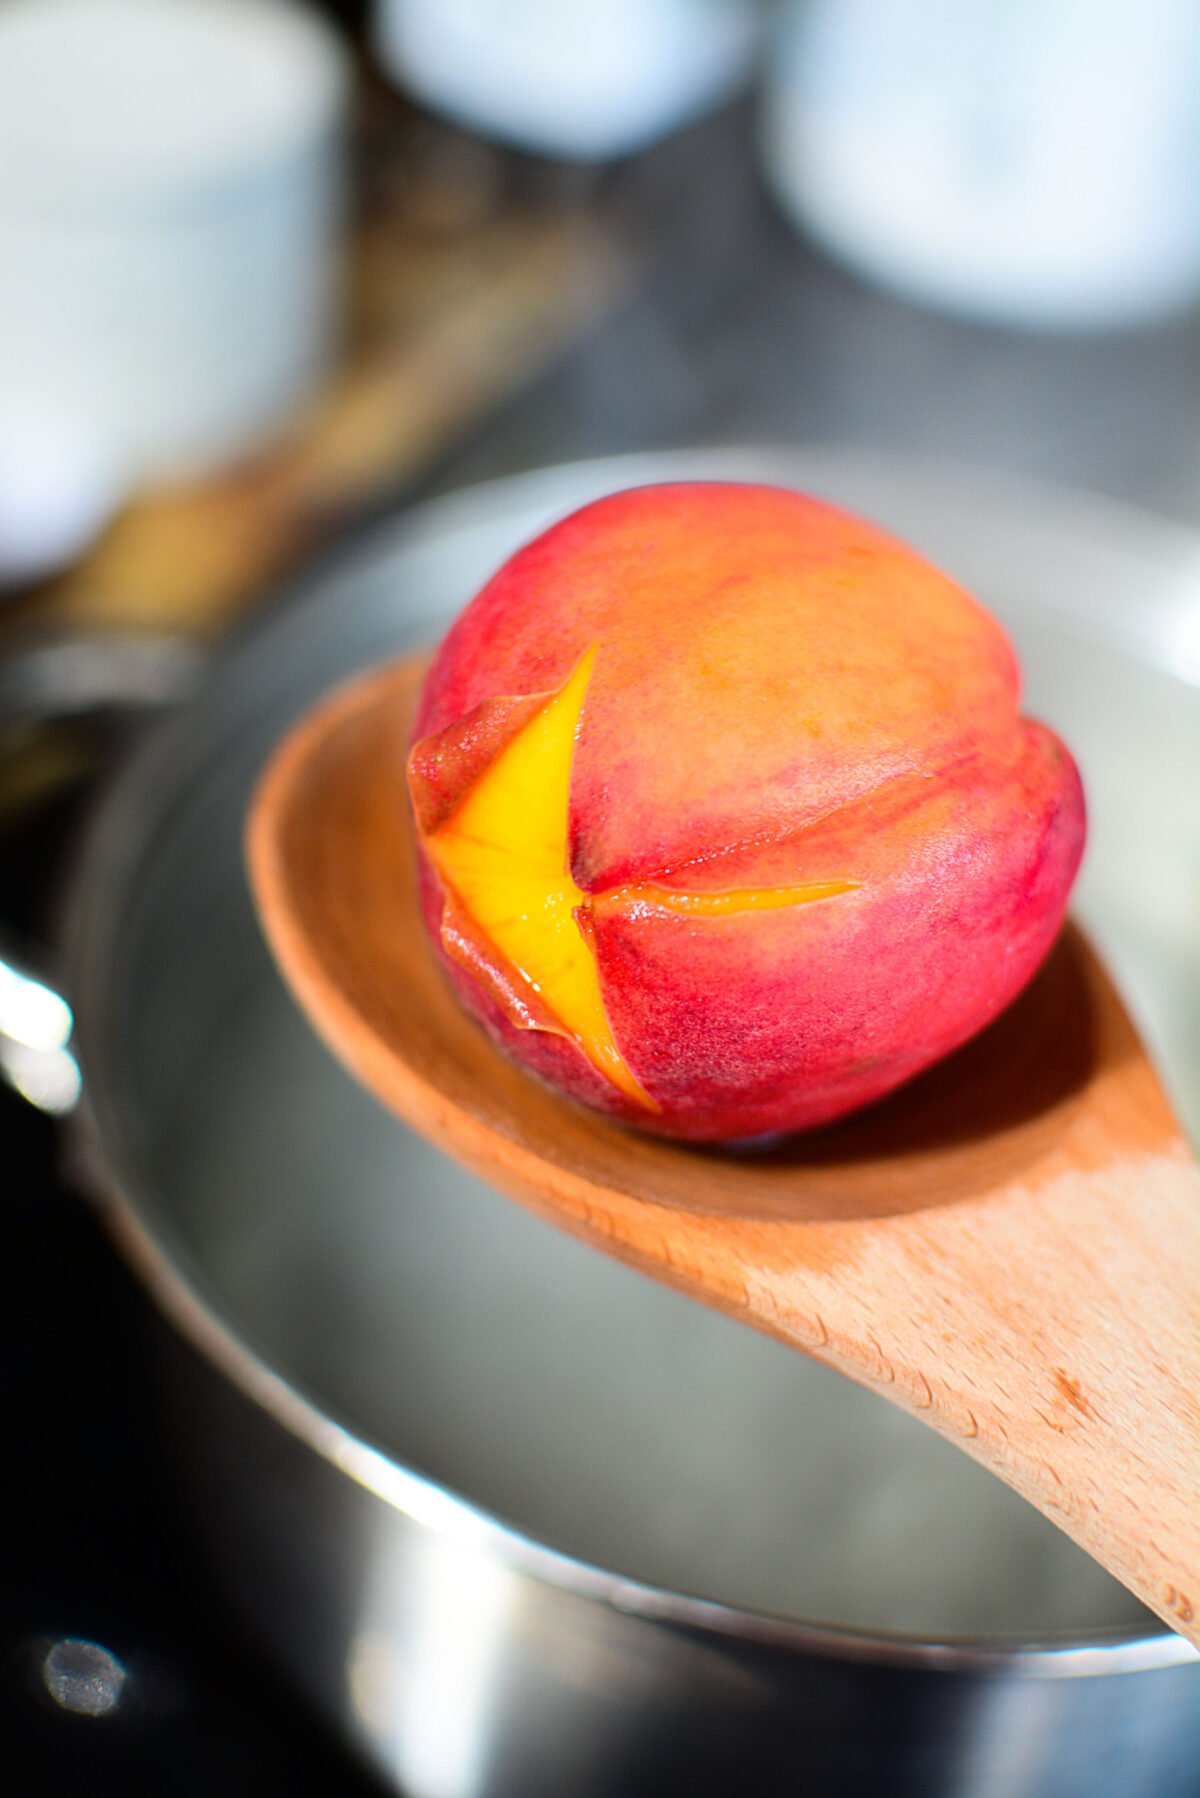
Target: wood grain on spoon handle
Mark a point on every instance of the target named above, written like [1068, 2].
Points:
[1009, 1249]
[1079, 1392]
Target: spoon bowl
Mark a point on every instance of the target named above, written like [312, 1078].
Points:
[1009, 1247]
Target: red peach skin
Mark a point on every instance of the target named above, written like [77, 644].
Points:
[781, 693]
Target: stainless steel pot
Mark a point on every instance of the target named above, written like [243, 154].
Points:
[521, 1521]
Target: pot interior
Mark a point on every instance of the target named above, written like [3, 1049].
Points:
[567, 1395]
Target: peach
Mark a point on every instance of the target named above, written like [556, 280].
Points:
[728, 819]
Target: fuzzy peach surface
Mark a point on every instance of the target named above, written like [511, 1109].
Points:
[779, 694]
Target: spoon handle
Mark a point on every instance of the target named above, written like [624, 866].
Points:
[1051, 1331]
[1065, 1356]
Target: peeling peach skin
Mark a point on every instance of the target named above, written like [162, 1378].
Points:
[501, 856]
[782, 699]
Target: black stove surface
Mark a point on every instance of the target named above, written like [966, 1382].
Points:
[124, 1670]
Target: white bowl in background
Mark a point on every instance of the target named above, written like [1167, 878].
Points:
[171, 177]
[585, 82]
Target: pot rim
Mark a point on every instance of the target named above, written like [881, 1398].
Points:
[422, 1499]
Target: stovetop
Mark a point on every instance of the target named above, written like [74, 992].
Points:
[124, 1670]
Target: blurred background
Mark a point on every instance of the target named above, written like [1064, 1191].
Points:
[270, 272]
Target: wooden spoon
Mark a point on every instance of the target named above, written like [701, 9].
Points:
[1009, 1248]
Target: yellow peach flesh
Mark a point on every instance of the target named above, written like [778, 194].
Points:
[504, 854]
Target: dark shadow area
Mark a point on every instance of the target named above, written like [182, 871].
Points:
[1028, 1064]
[992, 1112]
